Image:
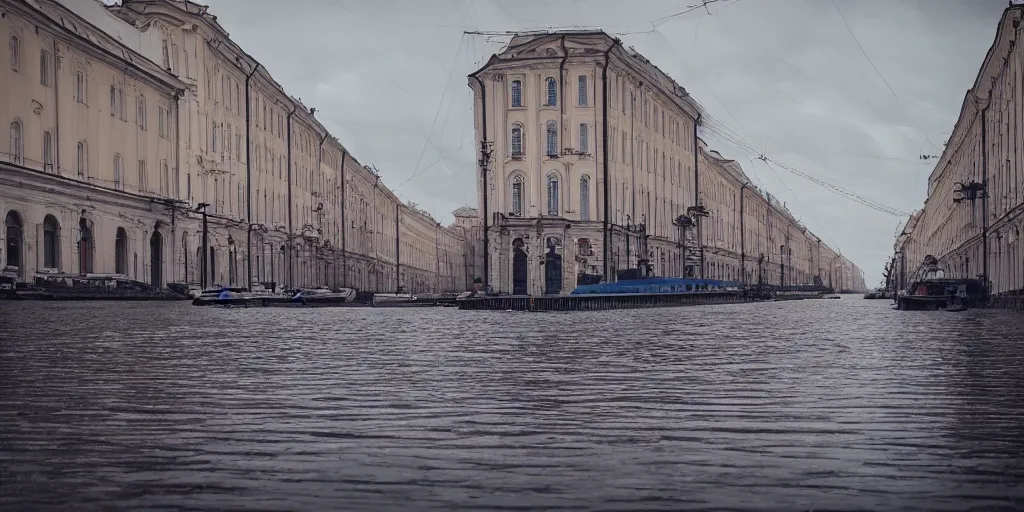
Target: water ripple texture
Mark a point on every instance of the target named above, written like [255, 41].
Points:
[824, 405]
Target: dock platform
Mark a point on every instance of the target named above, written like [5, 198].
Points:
[596, 302]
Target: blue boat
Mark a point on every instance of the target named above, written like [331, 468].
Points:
[659, 285]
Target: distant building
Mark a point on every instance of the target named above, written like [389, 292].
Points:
[594, 171]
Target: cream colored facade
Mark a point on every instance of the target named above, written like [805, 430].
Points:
[98, 182]
[985, 148]
[582, 141]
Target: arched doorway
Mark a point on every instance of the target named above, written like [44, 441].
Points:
[86, 245]
[121, 252]
[552, 268]
[15, 238]
[51, 242]
[156, 259]
[519, 267]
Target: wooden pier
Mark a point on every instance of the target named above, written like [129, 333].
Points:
[595, 302]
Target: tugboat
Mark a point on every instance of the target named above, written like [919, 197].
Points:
[931, 290]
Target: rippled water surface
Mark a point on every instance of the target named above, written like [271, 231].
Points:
[816, 404]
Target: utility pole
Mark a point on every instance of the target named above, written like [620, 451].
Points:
[201, 208]
[486, 154]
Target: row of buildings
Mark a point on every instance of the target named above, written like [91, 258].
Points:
[974, 212]
[132, 126]
[592, 169]
[140, 134]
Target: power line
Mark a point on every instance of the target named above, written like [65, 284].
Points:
[855, 40]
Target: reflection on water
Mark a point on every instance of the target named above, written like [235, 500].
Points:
[798, 405]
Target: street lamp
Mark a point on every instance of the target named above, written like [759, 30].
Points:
[201, 208]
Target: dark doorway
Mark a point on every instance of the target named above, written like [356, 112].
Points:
[51, 242]
[14, 240]
[519, 267]
[156, 259]
[552, 269]
[85, 247]
[121, 252]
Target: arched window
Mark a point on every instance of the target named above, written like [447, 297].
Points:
[83, 159]
[517, 93]
[517, 196]
[552, 131]
[51, 242]
[552, 98]
[47, 151]
[553, 194]
[517, 140]
[584, 138]
[17, 143]
[585, 197]
[118, 172]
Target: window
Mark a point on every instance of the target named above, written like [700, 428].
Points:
[140, 111]
[163, 121]
[238, 145]
[47, 151]
[517, 93]
[80, 87]
[51, 242]
[227, 140]
[552, 194]
[585, 198]
[213, 133]
[583, 90]
[44, 68]
[142, 176]
[552, 132]
[121, 252]
[120, 104]
[584, 139]
[166, 53]
[83, 159]
[17, 143]
[517, 196]
[238, 99]
[552, 92]
[15, 53]
[165, 178]
[118, 172]
[517, 140]
[113, 100]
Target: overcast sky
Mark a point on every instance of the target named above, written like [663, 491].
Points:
[785, 75]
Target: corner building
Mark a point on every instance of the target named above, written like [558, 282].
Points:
[590, 163]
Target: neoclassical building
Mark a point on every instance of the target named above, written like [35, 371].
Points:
[591, 167]
[130, 122]
[973, 216]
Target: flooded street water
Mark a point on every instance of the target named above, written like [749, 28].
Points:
[830, 404]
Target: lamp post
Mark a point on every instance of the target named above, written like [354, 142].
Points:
[972, 191]
[681, 223]
[201, 208]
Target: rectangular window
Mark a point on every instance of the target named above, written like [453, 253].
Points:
[162, 122]
[238, 146]
[517, 93]
[583, 90]
[47, 152]
[142, 176]
[44, 68]
[584, 139]
[15, 53]
[113, 101]
[140, 112]
[165, 178]
[80, 87]
[166, 52]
